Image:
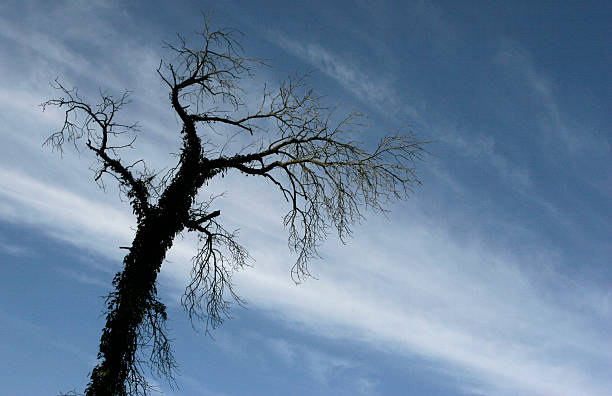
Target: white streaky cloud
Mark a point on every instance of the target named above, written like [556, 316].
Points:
[63, 214]
[494, 326]
[15, 250]
[376, 92]
[402, 289]
[419, 289]
[126, 65]
[198, 386]
[43, 45]
[60, 52]
[555, 126]
[82, 277]
[482, 148]
[511, 327]
[41, 334]
[319, 365]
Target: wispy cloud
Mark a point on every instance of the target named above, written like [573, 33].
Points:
[321, 368]
[375, 90]
[422, 291]
[44, 46]
[319, 365]
[43, 336]
[483, 149]
[82, 277]
[510, 328]
[461, 304]
[414, 285]
[15, 250]
[554, 124]
[62, 214]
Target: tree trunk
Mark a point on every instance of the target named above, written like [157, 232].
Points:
[127, 305]
[135, 289]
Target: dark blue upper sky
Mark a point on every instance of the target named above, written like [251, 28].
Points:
[494, 278]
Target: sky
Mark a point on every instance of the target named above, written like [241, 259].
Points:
[493, 278]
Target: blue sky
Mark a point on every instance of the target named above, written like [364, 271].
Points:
[494, 278]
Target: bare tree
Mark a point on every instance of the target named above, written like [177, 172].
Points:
[327, 177]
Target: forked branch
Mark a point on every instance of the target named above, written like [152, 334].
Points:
[98, 126]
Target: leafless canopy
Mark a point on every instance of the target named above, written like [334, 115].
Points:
[318, 163]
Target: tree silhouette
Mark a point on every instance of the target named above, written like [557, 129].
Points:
[327, 177]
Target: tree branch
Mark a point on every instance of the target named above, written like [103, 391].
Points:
[97, 125]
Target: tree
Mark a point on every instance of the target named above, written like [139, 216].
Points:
[326, 176]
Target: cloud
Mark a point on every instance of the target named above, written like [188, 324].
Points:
[414, 285]
[376, 91]
[423, 292]
[43, 335]
[321, 369]
[62, 214]
[44, 45]
[555, 124]
[462, 304]
[81, 277]
[15, 250]
[483, 150]
[320, 366]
